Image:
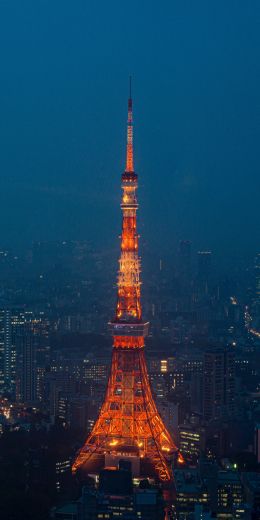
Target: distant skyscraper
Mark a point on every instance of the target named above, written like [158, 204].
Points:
[257, 275]
[218, 383]
[184, 267]
[257, 443]
[14, 322]
[7, 352]
[184, 259]
[204, 270]
[8, 365]
[2, 347]
[256, 294]
[26, 365]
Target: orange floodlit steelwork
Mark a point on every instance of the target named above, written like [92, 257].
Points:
[129, 423]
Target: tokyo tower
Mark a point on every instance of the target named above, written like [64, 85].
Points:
[129, 425]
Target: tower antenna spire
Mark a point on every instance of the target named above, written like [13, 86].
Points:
[129, 145]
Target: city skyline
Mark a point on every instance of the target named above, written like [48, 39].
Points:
[129, 364]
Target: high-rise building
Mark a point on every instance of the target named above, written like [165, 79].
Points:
[129, 425]
[229, 493]
[257, 279]
[191, 490]
[255, 310]
[60, 387]
[191, 440]
[204, 264]
[26, 365]
[257, 442]
[184, 264]
[2, 348]
[30, 335]
[204, 271]
[218, 383]
[7, 352]
[62, 472]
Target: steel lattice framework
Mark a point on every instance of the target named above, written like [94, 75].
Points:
[128, 419]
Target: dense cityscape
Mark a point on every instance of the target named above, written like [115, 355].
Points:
[129, 260]
[203, 363]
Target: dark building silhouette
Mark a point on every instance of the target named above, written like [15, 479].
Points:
[218, 383]
[204, 271]
[184, 262]
[26, 365]
[116, 497]
[257, 279]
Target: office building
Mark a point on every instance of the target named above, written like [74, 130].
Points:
[218, 383]
[184, 266]
[229, 493]
[192, 441]
[26, 365]
[204, 271]
[191, 490]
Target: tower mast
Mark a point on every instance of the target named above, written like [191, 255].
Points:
[129, 147]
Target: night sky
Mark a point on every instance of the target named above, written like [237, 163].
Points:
[63, 94]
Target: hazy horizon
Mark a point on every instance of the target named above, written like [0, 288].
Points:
[64, 89]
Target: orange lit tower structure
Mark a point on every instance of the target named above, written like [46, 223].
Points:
[129, 423]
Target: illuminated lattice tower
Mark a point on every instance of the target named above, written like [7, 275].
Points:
[129, 424]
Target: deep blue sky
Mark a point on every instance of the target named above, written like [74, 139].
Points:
[63, 93]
